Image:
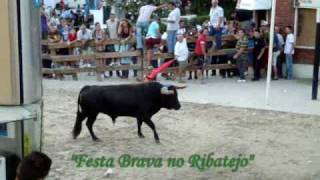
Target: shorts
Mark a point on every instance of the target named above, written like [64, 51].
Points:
[182, 64]
[199, 61]
[150, 42]
[275, 56]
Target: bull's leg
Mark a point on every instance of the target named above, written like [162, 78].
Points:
[77, 126]
[139, 121]
[91, 119]
[152, 126]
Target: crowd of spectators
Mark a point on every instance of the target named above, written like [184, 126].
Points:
[68, 25]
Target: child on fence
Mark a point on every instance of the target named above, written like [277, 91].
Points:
[181, 53]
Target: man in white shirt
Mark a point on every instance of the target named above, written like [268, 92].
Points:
[172, 26]
[112, 26]
[84, 34]
[181, 54]
[216, 22]
[289, 51]
[143, 21]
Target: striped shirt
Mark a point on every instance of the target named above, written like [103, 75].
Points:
[242, 43]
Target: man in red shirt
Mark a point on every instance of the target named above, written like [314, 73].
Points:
[201, 53]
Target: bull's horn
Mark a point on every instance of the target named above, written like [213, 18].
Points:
[165, 91]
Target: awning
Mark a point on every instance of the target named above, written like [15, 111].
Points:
[254, 4]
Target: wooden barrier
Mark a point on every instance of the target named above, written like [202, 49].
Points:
[99, 56]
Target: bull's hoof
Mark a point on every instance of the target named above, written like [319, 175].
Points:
[158, 141]
[141, 135]
[96, 140]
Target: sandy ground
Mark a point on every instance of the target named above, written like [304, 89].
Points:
[285, 145]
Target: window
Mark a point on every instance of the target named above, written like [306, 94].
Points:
[306, 29]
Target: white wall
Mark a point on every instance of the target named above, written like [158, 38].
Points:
[303, 71]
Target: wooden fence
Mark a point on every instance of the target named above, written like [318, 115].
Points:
[99, 56]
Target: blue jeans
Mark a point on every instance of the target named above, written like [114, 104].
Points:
[289, 59]
[171, 40]
[142, 28]
[217, 32]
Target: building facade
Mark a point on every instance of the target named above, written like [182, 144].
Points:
[303, 21]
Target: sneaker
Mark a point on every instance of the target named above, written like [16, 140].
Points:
[241, 81]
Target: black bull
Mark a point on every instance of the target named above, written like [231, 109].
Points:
[140, 101]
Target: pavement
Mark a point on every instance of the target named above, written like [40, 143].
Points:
[288, 96]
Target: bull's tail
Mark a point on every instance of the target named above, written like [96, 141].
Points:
[80, 117]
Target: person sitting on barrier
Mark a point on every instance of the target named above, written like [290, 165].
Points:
[125, 34]
[35, 166]
[201, 53]
[181, 53]
[153, 38]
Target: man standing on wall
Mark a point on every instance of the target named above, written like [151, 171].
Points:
[144, 20]
[172, 26]
[216, 22]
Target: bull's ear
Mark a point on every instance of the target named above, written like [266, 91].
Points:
[166, 91]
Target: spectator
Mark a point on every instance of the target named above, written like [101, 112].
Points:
[216, 22]
[280, 58]
[64, 33]
[258, 51]
[44, 24]
[172, 26]
[189, 9]
[84, 35]
[144, 20]
[54, 20]
[112, 31]
[241, 56]
[289, 51]
[35, 166]
[99, 36]
[112, 26]
[125, 34]
[72, 36]
[201, 53]
[153, 38]
[53, 36]
[181, 53]
[275, 55]
[182, 29]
